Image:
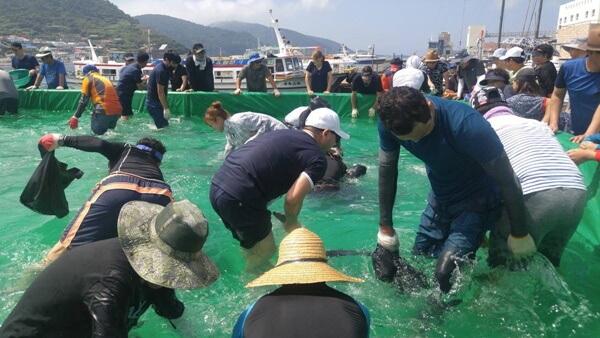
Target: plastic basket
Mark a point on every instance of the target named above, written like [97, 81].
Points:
[20, 77]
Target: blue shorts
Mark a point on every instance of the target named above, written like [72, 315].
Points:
[155, 109]
[97, 218]
[249, 223]
[458, 227]
[102, 122]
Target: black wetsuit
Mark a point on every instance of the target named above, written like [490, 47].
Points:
[304, 310]
[89, 291]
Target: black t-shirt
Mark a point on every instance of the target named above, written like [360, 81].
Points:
[266, 168]
[91, 289]
[306, 310]
[176, 80]
[122, 157]
[200, 79]
[358, 85]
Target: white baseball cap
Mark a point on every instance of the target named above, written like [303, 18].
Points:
[515, 52]
[325, 118]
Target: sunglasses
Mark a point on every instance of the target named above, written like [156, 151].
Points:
[201, 51]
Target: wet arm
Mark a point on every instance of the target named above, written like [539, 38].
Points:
[294, 199]
[554, 107]
[388, 177]
[512, 195]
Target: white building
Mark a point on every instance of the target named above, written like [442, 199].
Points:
[579, 12]
[575, 19]
[475, 39]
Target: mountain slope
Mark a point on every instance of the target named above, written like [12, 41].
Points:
[216, 41]
[229, 37]
[76, 20]
[266, 36]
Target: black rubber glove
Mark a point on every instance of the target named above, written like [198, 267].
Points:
[165, 303]
[409, 277]
[384, 263]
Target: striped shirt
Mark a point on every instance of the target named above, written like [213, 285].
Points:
[243, 127]
[537, 158]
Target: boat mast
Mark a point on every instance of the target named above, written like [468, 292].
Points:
[501, 20]
[93, 52]
[539, 18]
[280, 44]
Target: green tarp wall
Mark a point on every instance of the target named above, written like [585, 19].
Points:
[194, 104]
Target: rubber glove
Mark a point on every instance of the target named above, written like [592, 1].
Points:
[73, 122]
[354, 112]
[165, 303]
[167, 114]
[521, 246]
[59, 88]
[385, 257]
[237, 91]
[276, 93]
[49, 141]
[371, 112]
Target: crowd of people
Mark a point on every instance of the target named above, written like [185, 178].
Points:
[494, 167]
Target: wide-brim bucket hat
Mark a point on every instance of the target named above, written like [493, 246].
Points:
[164, 244]
[302, 260]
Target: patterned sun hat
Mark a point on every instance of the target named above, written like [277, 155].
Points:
[164, 244]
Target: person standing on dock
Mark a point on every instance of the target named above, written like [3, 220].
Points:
[580, 78]
[21, 60]
[470, 176]
[158, 85]
[130, 80]
[52, 70]
[280, 162]
[367, 83]
[199, 69]
[105, 101]
[256, 74]
[437, 71]
[319, 75]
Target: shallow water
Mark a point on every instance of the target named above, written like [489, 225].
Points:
[540, 302]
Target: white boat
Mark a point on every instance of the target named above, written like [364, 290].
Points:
[285, 65]
[359, 59]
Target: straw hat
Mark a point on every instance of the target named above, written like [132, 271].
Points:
[164, 244]
[431, 56]
[302, 260]
[593, 43]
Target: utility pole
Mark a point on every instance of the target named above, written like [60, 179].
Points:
[539, 18]
[501, 19]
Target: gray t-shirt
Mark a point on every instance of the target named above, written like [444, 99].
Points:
[256, 80]
[7, 87]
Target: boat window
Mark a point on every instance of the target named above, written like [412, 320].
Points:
[224, 74]
[279, 65]
[298, 64]
[288, 64]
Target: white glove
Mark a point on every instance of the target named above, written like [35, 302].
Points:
[59, 88]
[521, 247]
[388, 242]
[276, 93]
[371, 112]
[167, 114]
[237, 91]
[354, 112]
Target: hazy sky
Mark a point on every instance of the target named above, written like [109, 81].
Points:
[393, 26]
